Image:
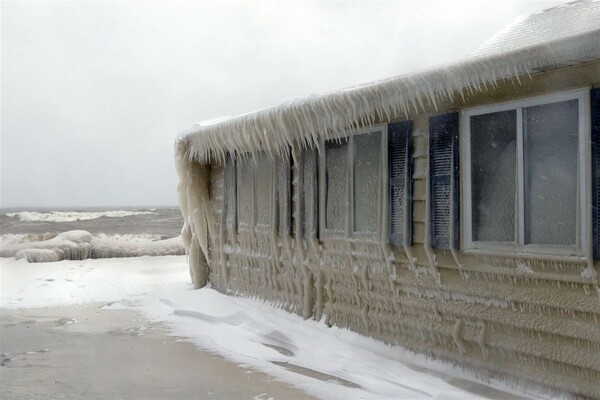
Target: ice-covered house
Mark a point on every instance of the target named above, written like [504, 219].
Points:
[452, 211]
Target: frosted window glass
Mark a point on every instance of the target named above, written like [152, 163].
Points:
[245, 183]
[550, 150]
[336, 171]
[263, 175]
[367, 163]
[493, 175]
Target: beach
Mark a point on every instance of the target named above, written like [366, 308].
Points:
[97, 352]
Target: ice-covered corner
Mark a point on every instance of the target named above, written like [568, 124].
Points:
[451, 211]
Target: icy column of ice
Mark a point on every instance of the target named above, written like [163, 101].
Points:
[193, 190]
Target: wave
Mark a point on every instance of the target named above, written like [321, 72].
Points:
[70, 216]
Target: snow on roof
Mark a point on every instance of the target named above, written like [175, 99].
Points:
[545, 26]
[530, 44]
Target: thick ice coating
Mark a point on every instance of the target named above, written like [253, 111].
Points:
[80, 245]
[309, 232]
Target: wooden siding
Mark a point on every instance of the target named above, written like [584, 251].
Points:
[539, 329]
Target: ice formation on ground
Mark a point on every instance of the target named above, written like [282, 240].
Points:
[11, 239]
[69, 216]
[326, 362]
[80, 245]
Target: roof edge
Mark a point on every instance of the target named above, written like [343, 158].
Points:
[331, 115]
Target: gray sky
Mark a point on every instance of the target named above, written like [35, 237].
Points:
[94, 93]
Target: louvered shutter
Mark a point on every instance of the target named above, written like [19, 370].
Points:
[309, 207]
[595, 118]
[284, 194]
[443, 181]
[229, 208]
[400, 182]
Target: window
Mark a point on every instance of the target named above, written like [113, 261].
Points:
[525, 173]
[336, 183]
[352, 184]
[366, 181]
[249, 185]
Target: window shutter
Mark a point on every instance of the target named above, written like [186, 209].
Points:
[310, 204]
[443, 181]
[595, 119]
[400, 182]
[229, 208]
[284, 194]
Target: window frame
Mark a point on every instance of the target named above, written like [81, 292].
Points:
[583, 199]
[348, 232]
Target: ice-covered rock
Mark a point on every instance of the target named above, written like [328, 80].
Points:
[39, 255]
[80, 245]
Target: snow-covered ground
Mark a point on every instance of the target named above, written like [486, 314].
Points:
[325, 362]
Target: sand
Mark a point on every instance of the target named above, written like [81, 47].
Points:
[95, 353]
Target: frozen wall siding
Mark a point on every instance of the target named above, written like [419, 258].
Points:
[535, 323]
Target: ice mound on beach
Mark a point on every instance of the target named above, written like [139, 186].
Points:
[80, 245]
[70, 216]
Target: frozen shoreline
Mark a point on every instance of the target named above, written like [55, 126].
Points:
[81, 245]
[97, 352]
[324, 362]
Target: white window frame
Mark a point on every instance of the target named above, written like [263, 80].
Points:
[583, 216]
[348, 231]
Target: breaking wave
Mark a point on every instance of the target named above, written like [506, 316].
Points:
[70, 216]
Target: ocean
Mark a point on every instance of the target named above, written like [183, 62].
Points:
[149, 223]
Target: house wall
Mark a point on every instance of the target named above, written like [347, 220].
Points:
[537, 329]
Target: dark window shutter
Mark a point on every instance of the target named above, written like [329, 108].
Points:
[284, 209]
[310, 205]
[229, 208]
[400, 182]
[595, 119]
[443, 181]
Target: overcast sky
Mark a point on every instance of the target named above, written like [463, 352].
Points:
[94, 93]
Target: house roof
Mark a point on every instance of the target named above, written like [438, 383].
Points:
[554, 38]
[546, 26]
